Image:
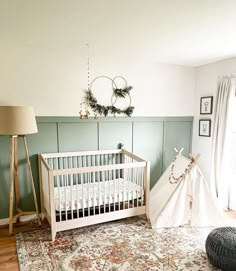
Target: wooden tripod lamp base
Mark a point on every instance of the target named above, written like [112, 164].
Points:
[14, 183]
[18, 121]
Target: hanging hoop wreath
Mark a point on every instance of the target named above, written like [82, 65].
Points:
[117, 93]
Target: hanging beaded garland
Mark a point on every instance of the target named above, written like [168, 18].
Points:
[175, 180]
[117, 93]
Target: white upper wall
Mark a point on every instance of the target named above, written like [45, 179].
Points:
[43, 56]
[183, 32]
[206, 85]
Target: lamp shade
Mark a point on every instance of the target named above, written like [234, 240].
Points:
[17, 120]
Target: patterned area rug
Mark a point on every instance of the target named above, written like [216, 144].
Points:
[124, 245]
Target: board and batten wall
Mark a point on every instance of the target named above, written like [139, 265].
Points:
[152, 138]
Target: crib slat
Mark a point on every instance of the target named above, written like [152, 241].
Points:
[124, 191]
[109, 188]
[142, 186]
[102, 182]
[135, 186]
[127, 178]
[88, 198]
[85, 175]
[104, 191]
[133, 176]
[109, 184]
[94, 179]
[77, 193]
[55, 166]
[131, 185]
[98, 182]
[82, 183]
[71, 187]
[65, 188]
[131, 181]
[93, 174]
[66, 161]
[90, 186]
[74, 181]
[138, 185]
[119, 191]
[60, 188]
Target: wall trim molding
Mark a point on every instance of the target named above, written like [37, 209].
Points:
[111, 119]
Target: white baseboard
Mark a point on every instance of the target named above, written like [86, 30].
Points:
[4, 221]
[25, 218]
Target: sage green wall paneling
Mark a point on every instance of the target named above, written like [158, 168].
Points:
[147, 143]
[44, 141]
[143, 134]
[4, 175]
[113, 133]
[78, 136]
[176, 134]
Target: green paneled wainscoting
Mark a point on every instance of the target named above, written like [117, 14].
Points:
[152, 138]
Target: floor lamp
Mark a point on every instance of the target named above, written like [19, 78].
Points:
[18, 121]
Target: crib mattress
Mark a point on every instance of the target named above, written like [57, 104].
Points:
[88, 195]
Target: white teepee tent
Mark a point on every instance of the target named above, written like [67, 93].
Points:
[182, 197]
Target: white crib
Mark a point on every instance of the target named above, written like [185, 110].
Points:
[84, 188]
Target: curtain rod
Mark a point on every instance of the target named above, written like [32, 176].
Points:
[231, 75]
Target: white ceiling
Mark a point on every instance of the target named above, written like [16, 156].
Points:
[183, 32]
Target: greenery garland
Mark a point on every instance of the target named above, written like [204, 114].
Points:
[104, 110]
[117, 92]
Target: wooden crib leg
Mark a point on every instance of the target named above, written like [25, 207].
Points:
[53, 233]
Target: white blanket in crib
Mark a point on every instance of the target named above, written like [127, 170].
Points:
[95, 194]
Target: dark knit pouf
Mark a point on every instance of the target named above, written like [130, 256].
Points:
[221, 248]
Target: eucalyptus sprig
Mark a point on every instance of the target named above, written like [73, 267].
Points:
[121, 93]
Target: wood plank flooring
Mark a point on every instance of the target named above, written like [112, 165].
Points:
[8, 254]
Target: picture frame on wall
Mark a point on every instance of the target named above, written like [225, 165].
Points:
[206, 105]
[205, 127]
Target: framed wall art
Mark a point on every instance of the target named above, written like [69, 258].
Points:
[205, 127]
[206, 105]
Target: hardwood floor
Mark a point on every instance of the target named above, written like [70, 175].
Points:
[8, 254]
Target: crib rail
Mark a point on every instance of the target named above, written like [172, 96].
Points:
[84, 188]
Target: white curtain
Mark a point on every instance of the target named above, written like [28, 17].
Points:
[232, 148]
[221, 166]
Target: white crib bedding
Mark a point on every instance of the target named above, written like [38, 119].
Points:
[118, 189]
